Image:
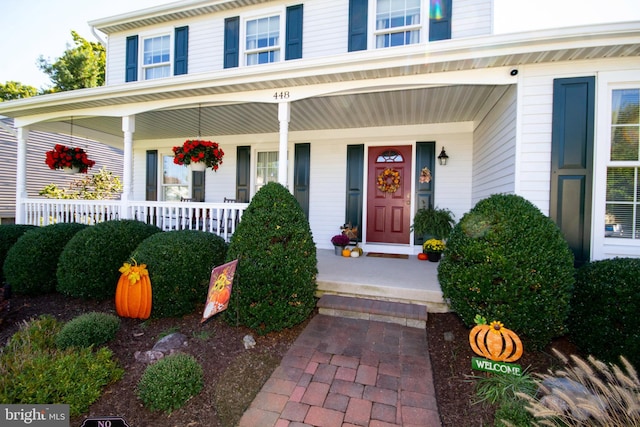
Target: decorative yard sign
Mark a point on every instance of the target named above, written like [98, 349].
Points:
[105, 422]
[498, 344]
[219, 289]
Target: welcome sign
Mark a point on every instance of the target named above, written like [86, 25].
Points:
[498, 344]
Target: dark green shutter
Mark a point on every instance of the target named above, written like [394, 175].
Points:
[572, 141]
[181, 51]
[243, 173]
[440, 20]
[197, 186]
[231, 42]
[425, 157]
[358, 11]
[355, 187]
[293, 43]
[151, 188]
[131, 59]
[301, 167]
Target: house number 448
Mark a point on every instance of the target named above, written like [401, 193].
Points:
[281, 95]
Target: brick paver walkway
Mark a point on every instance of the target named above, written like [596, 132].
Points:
[344, 372]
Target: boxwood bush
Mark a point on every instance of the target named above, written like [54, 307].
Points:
[277, 264]
[9, 234]
[507, 261]
[89, 263]
[89, 329]
[169, 383]
[31, 263]
[179, 264]
[604, 320]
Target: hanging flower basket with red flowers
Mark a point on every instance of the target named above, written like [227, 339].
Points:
[198, 151]
[63, 157]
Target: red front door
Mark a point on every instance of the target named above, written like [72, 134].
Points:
[389, 194]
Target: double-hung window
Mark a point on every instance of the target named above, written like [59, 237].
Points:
[175, 180]
[156, 57]
[266, 168]
[262, 40]
[398, 22]
[622, 218]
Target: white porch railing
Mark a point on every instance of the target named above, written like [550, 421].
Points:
[219, 218]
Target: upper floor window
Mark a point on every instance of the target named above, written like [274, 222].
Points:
[262, 40]
[156, 57]
[398, 22]
[622, 217]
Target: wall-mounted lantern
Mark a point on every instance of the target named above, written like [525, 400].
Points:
[442, 157]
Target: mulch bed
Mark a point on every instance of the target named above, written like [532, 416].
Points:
[215, 344]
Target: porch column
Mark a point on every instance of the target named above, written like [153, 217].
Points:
[284, 114]
[21, 174]
[128, 128]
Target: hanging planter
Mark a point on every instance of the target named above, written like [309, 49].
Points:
[198, 167]
[198, 153]
[69, 160]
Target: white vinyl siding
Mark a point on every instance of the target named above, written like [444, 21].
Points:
[327, 33]
[494, 148]
[116, 54]
[471, 18]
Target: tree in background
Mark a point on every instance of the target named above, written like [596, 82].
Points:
[16, 90]
[99, 186]
[79, 67]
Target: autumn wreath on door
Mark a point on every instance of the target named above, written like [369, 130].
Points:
[389, 180]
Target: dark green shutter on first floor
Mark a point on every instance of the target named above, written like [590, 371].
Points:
[355, 187]
[301, 169]
[197, 185]
[243, 173]
[151, 185]
[425, 157]
[572, 140]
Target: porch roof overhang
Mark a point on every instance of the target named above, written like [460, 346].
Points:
[443, 82]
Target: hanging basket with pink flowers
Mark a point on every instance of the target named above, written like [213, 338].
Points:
[68, 158]
[198, 151]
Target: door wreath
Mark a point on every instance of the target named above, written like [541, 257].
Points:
[389, 181]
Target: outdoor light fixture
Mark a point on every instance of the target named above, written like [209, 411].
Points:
[442, 157]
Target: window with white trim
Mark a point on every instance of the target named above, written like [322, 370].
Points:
[622, 218]
[398, 22]
[175, 180]
[266, 168]
[156, 57]
[262, 40]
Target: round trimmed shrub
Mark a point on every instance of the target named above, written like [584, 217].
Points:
[88, 266]
[31, 263]
[9, 235]
[507, 261]
[603, 320]
[89, 329]
[169, 383]
[275, 279]
[179, 264]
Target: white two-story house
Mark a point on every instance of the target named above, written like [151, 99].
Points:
[323, 96]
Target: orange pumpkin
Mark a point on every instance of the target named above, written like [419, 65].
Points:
[495, 342]
[346, 252]
[133, 293]
[422, 256]
[222, 297]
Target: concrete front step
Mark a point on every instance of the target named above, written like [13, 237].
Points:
[406, 314]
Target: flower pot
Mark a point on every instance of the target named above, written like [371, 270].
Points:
[198, 166]
[338, 250]
[71, 170]
[434, 256]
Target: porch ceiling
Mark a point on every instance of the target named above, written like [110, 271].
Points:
[444, 104]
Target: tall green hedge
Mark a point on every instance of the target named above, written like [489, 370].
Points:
[9, 235]
[277, 265]
[89, 263]
[507, 261]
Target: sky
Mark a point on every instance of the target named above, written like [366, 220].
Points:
[30, 28]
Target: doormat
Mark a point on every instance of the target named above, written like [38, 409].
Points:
[381, 255]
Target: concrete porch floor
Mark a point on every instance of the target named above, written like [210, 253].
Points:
[391, 279]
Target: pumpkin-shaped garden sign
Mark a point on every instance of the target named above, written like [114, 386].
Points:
[494, 341]
[133, 293]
